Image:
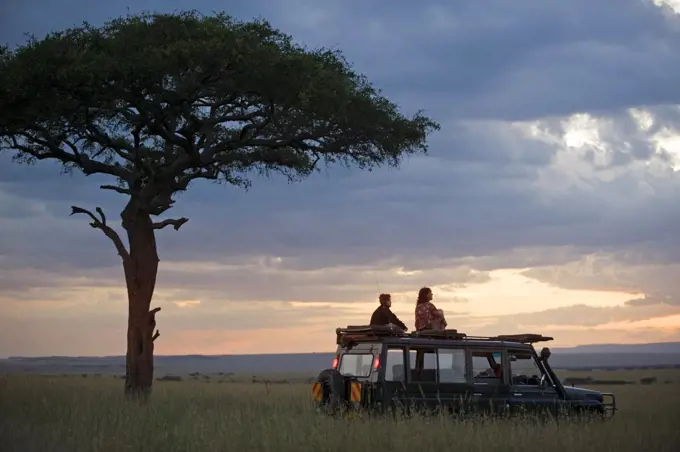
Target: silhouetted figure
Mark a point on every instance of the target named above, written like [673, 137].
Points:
[383, 315]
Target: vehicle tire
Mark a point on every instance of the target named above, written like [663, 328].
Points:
[334, 390]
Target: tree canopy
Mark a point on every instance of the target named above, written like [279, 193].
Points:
[159, 100]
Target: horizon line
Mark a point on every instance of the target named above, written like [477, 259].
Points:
[303, 353]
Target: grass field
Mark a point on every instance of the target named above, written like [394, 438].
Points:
[68, 414]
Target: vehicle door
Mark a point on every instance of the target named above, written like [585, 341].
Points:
[394, 394]
[490, 389]
[454, 387]
[358, 367]
[421, 379]
[529, 392]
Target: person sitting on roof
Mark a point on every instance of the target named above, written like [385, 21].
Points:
[428, 317]
[383, 315]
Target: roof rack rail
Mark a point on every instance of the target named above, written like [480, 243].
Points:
[527, 338]
[362, 333]
[439, 334]
[354, 333]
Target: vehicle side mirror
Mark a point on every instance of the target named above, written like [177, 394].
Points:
[544, 381]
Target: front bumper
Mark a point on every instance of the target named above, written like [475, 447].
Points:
[609, 404]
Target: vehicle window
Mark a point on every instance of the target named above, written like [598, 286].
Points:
[355, 364]
[451, 366]
[394, 365]
[423, 364]
[524, 368]
[483, 364]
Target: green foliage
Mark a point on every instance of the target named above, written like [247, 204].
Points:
[158, 100]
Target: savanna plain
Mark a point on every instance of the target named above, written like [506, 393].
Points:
[229, 413]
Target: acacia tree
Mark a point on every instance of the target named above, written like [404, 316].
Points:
[156, 101]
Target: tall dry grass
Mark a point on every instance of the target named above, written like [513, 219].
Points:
[72, 414]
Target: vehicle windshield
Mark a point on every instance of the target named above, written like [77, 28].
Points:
[356, 364]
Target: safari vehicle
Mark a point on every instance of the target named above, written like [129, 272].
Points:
[385, 369]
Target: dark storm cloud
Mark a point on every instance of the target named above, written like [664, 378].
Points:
[510, 60]
[496, 59]
[434, 208]
[475, 195]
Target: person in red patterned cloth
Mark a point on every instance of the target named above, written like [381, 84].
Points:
[428, 317]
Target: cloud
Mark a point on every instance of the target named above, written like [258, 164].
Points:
[582, 315]
[612, 273]
[256, 279]
[650, 301]
[503, 60]
[517, 60]
[435, 208]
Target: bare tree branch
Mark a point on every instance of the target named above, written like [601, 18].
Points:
[152, 323]
[100, 223]
[52, 150]
[175, 223]
[121, 190]
[101, 215]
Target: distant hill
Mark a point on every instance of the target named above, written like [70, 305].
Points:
[586, 357]
[658, 347]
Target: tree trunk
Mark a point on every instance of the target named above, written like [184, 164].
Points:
[140, 277]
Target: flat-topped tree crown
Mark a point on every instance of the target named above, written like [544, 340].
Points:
[158, 100]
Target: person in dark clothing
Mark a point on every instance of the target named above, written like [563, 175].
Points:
[383, 315]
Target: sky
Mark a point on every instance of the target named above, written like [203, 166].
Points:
[548, 203]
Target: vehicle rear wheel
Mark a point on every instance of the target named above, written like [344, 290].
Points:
[334, 392]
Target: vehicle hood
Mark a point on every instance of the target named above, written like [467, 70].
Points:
[582, 393]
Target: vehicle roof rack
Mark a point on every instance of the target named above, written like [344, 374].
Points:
[365, 333]
[438, 334]
[528, 338]
[354, 333]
